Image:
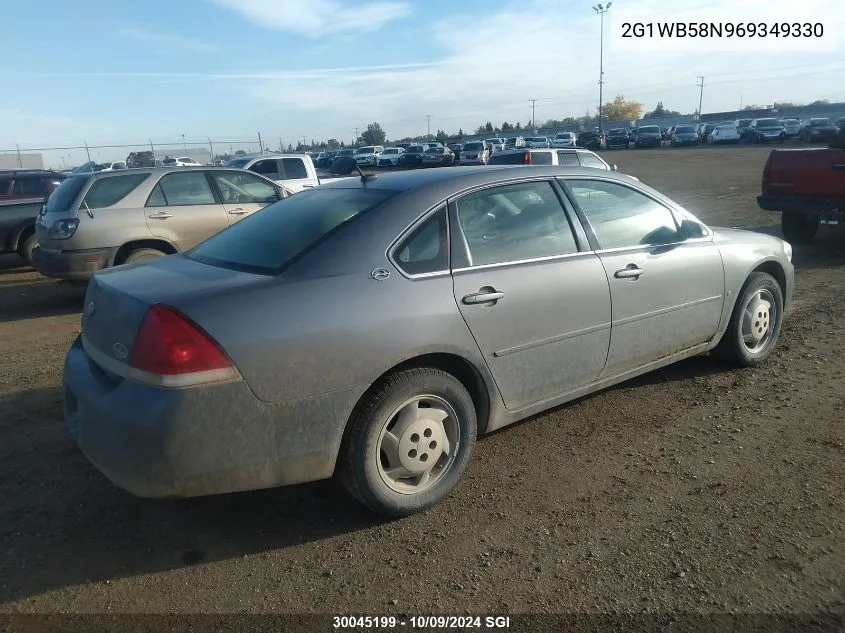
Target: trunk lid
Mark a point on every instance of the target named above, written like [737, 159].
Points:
[118, 299]
[806, 172]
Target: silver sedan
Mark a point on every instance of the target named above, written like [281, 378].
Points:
[372, 328]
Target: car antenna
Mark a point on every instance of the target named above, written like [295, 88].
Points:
[365, 177]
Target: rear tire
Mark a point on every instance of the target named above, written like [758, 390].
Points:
[755, 324]
[798, 228]
[142, 255]
[26, 247]
[417, 418]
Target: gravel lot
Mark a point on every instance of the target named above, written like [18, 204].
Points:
[697, 488]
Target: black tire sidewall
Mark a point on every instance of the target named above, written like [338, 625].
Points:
[143, 255]
[363, 451]
[27, 247]
[736, 348]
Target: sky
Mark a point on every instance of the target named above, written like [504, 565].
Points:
[106, 72]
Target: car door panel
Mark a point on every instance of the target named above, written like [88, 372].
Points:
[242, 193]
[183, 209]
[538, 308]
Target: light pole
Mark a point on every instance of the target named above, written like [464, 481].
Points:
[184, 145]
[601, 11]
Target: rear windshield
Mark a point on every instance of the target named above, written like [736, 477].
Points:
[238, 162]
[415, 149]
[106, 192]
[649, 129]
[267, 241]
[820, 122]
[768, 123]
[684, 130]
[62, 198]
[510, 158]
[474, 146]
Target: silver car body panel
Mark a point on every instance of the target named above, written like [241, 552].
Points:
[310, 341]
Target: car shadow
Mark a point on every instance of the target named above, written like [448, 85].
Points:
[65, 524]
[34, 298]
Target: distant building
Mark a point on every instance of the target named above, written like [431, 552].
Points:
[21, 161]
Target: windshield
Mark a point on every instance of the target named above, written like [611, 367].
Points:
[726, 128]
[269, 240]
[366, 150]
[618, 132]
[768, 123]
[434, 150]
[820, 122]
[649, 129]
[238, 162]
[415, 149]
[684, 130]
[62, 198]
[475, 146]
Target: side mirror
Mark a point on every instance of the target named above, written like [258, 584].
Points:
[614, 168]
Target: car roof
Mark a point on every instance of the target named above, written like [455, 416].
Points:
[459, 178]
[29, 172]
[155, 170]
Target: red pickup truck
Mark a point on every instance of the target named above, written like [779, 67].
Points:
[808, 187]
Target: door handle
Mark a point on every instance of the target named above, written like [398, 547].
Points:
[159, 215]
[482, 297]
[631, 271]
[237, 211]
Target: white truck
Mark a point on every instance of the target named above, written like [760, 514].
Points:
[295, 172]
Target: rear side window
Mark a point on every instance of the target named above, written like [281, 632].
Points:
[267, 241]
[294, 168]
[29, 187]
[65, 194]
[426, 249]
[184, 188]
[107, 192]
[269, 168]
[568, 159]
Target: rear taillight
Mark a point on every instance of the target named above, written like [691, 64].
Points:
[527, 159]
[767, 171]
[173, 351]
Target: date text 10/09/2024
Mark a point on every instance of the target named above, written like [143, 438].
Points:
[420, 622]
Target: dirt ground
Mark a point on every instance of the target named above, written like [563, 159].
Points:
[698, 488]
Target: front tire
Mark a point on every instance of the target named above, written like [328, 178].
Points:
[26, 247]
[798, 228]
[409, 442]
[142, 255]
[755, 325]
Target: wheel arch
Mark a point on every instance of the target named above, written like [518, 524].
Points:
[773, 267]
[158, 244]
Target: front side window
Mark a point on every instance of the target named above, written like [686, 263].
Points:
[185, 188]
[106, 192]
[243, 187]
[515, 222]
[591, 160]
[294, 168]
[623, 217]
[426, 249]
[269, 168]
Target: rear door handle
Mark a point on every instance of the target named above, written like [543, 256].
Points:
[629, 272]
[482, 297]
[237, 211]
[159, 215]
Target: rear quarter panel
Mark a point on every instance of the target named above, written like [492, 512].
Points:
[16, 217]
[809, 172]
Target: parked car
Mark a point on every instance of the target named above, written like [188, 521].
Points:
[96, 221]
[368, 155]
[474, 153]
[815, 191]
[22, 194]
[565, 139]
[438, 157]
[765, 130]
[723, 134]
[456, 148]
[413, 155]
[325, 159]
[742, 126]
[495, 144]
[684, 135]
[85, 168]
[648, 136]
[514, 142]
[390, 157]
[295, 172]
[566, 157]
[112, 166]
[792, 127]
[181, 161]
[270, 354]
[820, 130]
[592, 139]
[537, 142]
[140, 159]
[703, 133]
[617, 137]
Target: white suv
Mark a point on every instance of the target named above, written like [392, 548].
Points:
[368, 155]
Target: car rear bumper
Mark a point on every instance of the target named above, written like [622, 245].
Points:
[72, 265]
[206, 440]
[806, 205]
